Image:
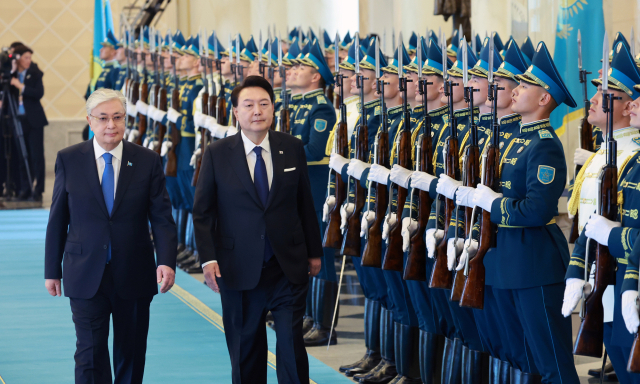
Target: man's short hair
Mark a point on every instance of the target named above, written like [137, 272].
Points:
[16, 44]
[21, 50]
[102, 95]
[321, 84]
[249, 82]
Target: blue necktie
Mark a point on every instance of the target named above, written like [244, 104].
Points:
[108, 181]
[21, 105]
[261, 180]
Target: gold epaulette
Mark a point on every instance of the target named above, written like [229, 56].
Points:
[574, 201]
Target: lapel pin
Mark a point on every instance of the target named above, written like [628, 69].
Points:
[129, 164]
[281, 152]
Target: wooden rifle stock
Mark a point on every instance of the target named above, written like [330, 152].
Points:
[394, 256]
[203, 139]
[134, 95]
[142, 119]
[333, 234]
[590, 335]
[161, 129]
[285, 123]
[473, 290]
[351, 238]
[416, 267]
[634, 358]
[441, 277]
[171, 167]
[372, 254]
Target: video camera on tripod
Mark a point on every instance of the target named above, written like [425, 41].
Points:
[10, 125]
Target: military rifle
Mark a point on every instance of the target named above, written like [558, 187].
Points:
[372, 254]
[332, 235]
[134, 87]
[144, 95]
[284, 125]
[204, 56]
[155, 89]
[161, 129]
[173, 132]
[590, 335]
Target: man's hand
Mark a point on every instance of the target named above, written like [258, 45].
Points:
[328, 207]
[400, 176]
[345, 213]
[453, 250]
[211, 271]
[630, 310]
[337, 162]
[599, 228]
[356, 168]
[367, 220]
[53, 287]
[580, 156]
[573, 293]
[166, 276]
[16, 83]
[389, 223]
[447, 186]
[433, 238]
[314, 265]
[409, 227]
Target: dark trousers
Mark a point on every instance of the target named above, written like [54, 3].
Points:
[9, 145]
[243, 316]
[34, 142]
[130, 327]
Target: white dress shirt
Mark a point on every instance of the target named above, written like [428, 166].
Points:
[116, 160]
[251, 161]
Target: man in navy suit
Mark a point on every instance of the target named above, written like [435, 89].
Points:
[258, 237]
[105, 194]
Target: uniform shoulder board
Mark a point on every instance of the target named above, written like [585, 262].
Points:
[545, 134]
[637, 140]
[321, 99]
[199, 82]
[377, 110]
[320, 125]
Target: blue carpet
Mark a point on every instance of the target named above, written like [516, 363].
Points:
[186, 342]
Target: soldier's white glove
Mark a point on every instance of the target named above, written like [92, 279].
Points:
[173, 115]
[194, 157]
[133, 135]
[337, 162]
[367, 220]
[166, 146]
[433, 241]
[153, 144]
[484, 197]
[569, 213]
[145, 143]
[573, 294]
[159, 115]
[379, 174]
[199, 119]
[131, 110]
[151, 112]
[464, 196]
[422, 180]
[468, 251]
[447, 186]
[409, 227]
[356, 168]
[630, 310]
[580, 156]
[598, 228]
[327, 207]
[141, 107]
[400, 176]
[453, 249]
[345, 212]
[389, 222]
[231, 131]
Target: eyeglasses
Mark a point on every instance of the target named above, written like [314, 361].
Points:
[103, 120]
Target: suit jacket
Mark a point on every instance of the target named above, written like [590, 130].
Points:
[230, 221]
[33, 92]
[80, 227]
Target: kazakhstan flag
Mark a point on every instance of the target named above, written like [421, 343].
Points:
[102, 22]
[574, 15]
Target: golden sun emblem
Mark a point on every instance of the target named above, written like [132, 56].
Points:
[572, 6]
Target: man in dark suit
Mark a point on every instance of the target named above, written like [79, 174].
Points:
[105, 194]
[258, 237]
[28, 87]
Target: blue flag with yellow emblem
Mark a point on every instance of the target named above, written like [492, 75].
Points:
[102, 22]
[574, 15]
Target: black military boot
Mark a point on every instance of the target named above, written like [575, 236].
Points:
[495, 366]
[325, 305]
[447, 359]
[407, 340]
[371, 340]
[429, 372]
[385, 371]
[475, 369]
[515, 375]
[530, 378]
[505, 373]
[455, 370]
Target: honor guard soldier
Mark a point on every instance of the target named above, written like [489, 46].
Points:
[121, 57]
[311, 123]
[618, 235]
[531, 253]
[111, 67]
[217, 84]
[230, 77]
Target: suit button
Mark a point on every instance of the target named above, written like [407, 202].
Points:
[104, 247]
[262, 237]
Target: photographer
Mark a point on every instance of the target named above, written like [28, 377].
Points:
[27, 88]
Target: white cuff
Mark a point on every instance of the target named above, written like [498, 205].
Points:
[142, 107]
[173, 115]
[209, 262]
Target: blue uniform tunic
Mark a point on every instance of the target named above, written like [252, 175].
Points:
[108, 76]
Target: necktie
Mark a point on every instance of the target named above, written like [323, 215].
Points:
[108, 182]
[261, 181]
[20, 104]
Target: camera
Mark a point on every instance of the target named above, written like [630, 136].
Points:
[6, 59]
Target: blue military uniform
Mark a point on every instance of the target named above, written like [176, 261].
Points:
[623, 77]
[110, 69]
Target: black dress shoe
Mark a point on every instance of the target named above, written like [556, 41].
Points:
[368, 362]
[37, 197]
[384, 375]
[24, 195]
[320, 336]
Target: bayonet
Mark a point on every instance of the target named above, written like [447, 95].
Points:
[491, 53]
[419, 56]
[337, 57]
[605, 64]
[400, 63]
[443, 47]
[465, 66]
[357, 51]
[377, 58]
[579, 50]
